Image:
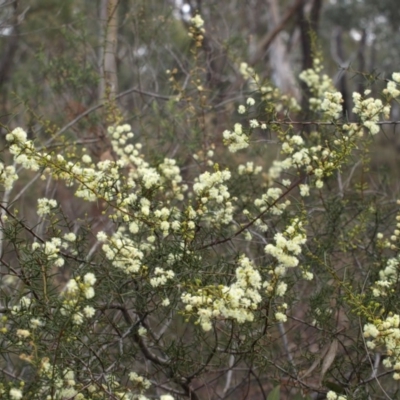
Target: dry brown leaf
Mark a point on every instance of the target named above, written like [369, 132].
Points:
[316, 361]
[329, 358]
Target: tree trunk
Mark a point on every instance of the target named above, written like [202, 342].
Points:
[282, 73]
[108, 85]
[308, 26]
[339, 56]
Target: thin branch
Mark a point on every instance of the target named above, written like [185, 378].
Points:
[98, 106]
[246, 226]
[270, 36]
[282, 331]
[229, 374]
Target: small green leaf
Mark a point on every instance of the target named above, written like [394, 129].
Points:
[275, 393]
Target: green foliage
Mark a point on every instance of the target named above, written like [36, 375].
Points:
[274, 394]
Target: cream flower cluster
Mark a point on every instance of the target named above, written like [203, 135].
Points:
[236, 139]
[100, 181]
[139, 382]
[75, 292]
[317, 161]
[214, 197]
[333, 396]
[292, 143]
[196, 31]
[171, 180]
[249, 169]
[106, 180]
[122, 251]
[8, 176]
[34, 323]
[237, 301]
[164, 178]
[325, 97]
[396, 77]
[94, 182]
[386, 333]
[287, 247]
[369, 110]
[286, 251]
[161, 277]
[390, 274]
[387, 277]
[64, 383]
[23, 307]
[15, 394]
[279, 166]
[131, 157]
[211, 185]
[332, 104]
[392, 86]
[51, 250]
[197, 21]
[269, 94]
[268, 199]
[281, 102]
[23, 149]
[250, 75]
[103, 181]
[45, 206]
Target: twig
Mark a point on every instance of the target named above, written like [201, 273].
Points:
[269, 38]
[229, 374]
[97, 106]
[286, 346]
[237, 233]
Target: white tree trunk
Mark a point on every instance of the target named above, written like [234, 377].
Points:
[282, 74]
[109, 41]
